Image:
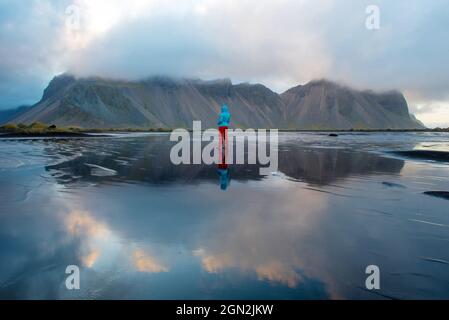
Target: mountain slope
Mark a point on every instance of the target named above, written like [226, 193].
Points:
[156, 102]
[9, 114]
[327, 105]
[171, 103]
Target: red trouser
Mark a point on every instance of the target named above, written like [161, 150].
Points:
[223, 130]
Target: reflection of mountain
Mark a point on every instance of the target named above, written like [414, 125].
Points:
[322, 165]
[139, 159]
[171, 103]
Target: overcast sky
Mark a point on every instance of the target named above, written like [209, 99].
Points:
[279, 43]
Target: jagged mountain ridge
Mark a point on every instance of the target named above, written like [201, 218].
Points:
[162, 102]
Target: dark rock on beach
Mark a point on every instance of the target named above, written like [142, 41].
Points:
[438, 194]
[393, 185]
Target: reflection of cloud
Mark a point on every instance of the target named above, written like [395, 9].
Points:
[276, 271]
[97, 240]
[89, 259]
[213, 263]
[266, 240]
[273, 271]
[146, 263]
[80, 223]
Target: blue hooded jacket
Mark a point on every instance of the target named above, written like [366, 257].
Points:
[225, 117]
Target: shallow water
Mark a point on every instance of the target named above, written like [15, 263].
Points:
[142, 228]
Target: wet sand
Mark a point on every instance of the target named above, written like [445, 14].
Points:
[140, 227]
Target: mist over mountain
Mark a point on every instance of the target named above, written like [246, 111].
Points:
[163, 102]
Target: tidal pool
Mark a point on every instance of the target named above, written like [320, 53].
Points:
[140, 227]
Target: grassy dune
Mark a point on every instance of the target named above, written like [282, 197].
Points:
[34, 128]
[42, 129]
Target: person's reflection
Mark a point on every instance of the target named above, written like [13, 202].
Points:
[223, 170]
[223, 175]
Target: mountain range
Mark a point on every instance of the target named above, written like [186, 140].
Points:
[163, 102]
[10, 114]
